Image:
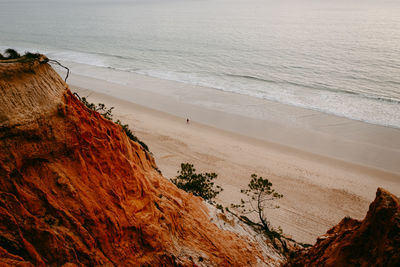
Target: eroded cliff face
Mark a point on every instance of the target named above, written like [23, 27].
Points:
[75, 190]
[375, 241]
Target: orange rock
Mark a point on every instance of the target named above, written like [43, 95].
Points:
[375, 241]
[75, 190]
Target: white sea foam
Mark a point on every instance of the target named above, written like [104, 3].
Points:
[78, 57]
[357, 107]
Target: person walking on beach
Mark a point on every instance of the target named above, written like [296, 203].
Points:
[187, 120]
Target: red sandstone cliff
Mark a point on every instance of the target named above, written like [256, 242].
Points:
[375, 241]
[74, 189]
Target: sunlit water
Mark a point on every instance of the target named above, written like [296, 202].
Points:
[339, 57]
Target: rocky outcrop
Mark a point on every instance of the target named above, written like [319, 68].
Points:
[375, 241]
[76, 190]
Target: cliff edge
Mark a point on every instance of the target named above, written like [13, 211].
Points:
[75, 190]
[374, 241]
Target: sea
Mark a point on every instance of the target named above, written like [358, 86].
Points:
[340, 57]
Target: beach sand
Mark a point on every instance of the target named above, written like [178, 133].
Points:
[326, 167]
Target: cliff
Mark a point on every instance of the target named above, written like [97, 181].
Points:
[375, 241]
[75, 190]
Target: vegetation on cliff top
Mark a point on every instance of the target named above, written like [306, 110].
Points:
[13, 54]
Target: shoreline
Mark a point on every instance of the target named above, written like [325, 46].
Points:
[318, 190]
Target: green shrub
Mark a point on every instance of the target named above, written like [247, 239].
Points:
[199, 184]
[12, 54]
[30, 55]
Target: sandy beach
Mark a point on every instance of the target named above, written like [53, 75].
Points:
[326, 167]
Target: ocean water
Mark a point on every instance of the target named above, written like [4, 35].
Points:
[339, 57]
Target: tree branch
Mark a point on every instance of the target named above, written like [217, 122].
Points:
[58, 63]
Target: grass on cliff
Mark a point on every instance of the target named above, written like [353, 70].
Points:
[107, 113]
